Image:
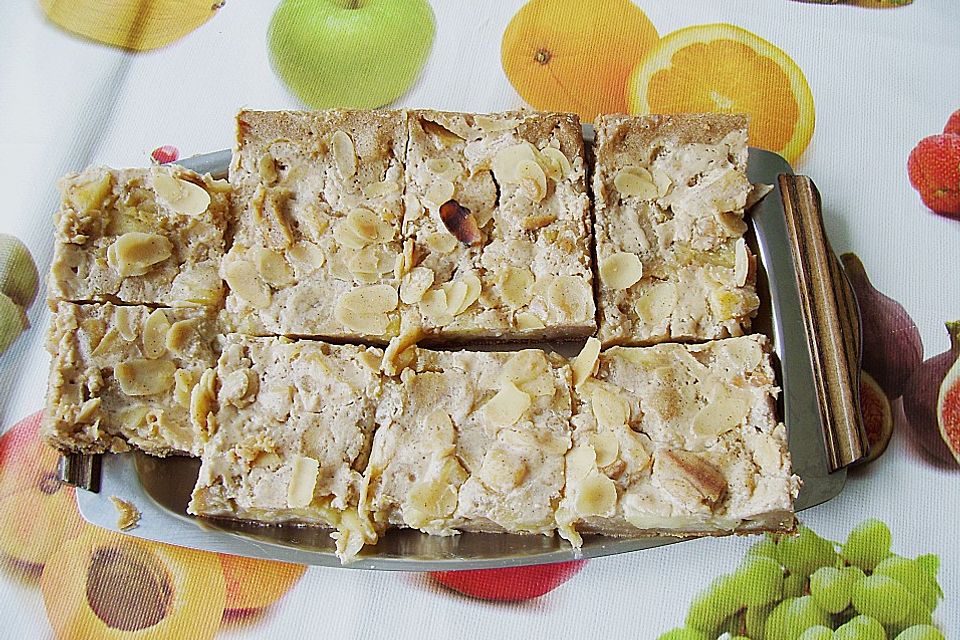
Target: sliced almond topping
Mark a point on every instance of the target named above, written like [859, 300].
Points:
[428, 501]
[621, 270]
[557, 166]
[441, 242]
[746, 354]
[88, 410]
[580, 461]
[456, 295]
[345, 236]
[530, 371]
[366, 309]
[584, 365]
[439, 191]
[182, 196]
[344, 154]
[244, 279]
[662, 180]
[126, 319]
[303, 481]
[144, 377]
[183, 382]
[610, 410]
[135, 253]
[238, 387]
[596, 496]
[107, 343]
[203, 402]
[507, 161]
[433, 306]
[380, 189]
[155, 329]
[273, 268]
[606, 446]
[725, 412]
[308, 254]
[401, 353]
[742, 265]
[493, 125]
[181, 335]
[502, 470]
[507, 406]
[531, 176]
[657, 304]
[515, 284]
[691, 479]
[460, 222]
[462, 293]
[527, 320]
[571, 297]
[635, 181]
[369, 227]
[415, 284]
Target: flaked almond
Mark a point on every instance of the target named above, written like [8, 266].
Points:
[741, 268]
[181, 335]
[723, 413]
[203, 402]
[621, 270]
[106, 343]
[440, 242]
[368, 226]
[530, 372]
[414, 284]
[493, 125]
[606, 446]
[126, 320]
[303, 482]
[610, 410]
[89, 410]
[527, 320]
[636, 181]
[428, 501]
[238, 387]
[596, 496]
[307, 254]
[515, 284]
[462, 293]
[507, 161]
[460, 222]
[433, 307]
[507, 406]
[584, 365]
[182, 196]
[556, 165]
[244, 279]
[580, 462]
[344, 154]
[502, 470]
[273, 268]
[183, 382]
[380, 189]
[440, 191]
[571, 297]
[155, 329]
[135, 253]
[657, 303]
[532, 178]
[366, 309]
[144, 377]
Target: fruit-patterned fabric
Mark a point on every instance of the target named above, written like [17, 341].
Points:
[861, 95]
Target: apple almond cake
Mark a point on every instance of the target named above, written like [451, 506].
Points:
[127, 376]
[140, 236]
[287, 427]
[669, 198]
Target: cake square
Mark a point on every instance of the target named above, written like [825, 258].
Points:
[124, 376]
[677, 440]
[140, 236]
[290, 435]
[670, 192]
[496, 228]
[318, 204]
[470, 441]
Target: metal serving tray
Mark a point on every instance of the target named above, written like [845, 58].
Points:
[160, 488]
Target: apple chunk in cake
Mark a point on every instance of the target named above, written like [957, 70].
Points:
[677, 440]
[670, 193]
[470, 441]
[317, 206]
[289, 434]
[124, 376]
[139, 236]
[496, 228]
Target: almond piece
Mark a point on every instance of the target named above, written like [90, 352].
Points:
[91, 194]
[530, 372]
[741, 267]
[585, 364]
[303, 481]
[433, 307]
[344, 154]
[610, 410]
[596, 496]
[183, 382]
[527, 320]
[507, 406]
[538, 221]
[635, 181]
[728, 410]
[580, 462]
[307, 254]
[182, 196]
[515, 284]
[414, 284]
[126, 320]
[556, 165]
[657, 303]
[366, 309]
[460, 222]
[621, 270]
[376, 190]
[507, 161]
[571, 297]
[144, 377]
[135, 253]
[502, 470]
[273, 268]
[155, 329]
[440, 190]
[238, 387]
[244, 279]
[606, 446]
[531, 176]
[181, 335]
[493, 125]
[427, 502]
[441, 242]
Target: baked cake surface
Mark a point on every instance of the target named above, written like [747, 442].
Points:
[677, 440]
[139, 236]
[124, 376]
[288, 434]
[669, 198]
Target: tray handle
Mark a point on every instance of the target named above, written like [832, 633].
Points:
[832, 322]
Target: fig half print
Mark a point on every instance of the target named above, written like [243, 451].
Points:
[892, 349]
[877, 416]
[921, 395]
[948, 400]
